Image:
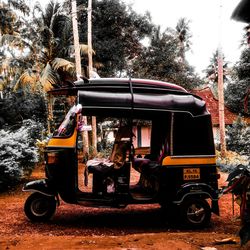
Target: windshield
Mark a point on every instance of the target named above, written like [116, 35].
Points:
[67, 126]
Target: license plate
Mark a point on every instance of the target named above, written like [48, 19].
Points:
[191, 174]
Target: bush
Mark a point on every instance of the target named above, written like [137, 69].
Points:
[16, 108]
[231, 161]
[239, 137]
[238, 146]
[105, 147]
[18, 153]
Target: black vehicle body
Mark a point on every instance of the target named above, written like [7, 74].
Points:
[181, 179]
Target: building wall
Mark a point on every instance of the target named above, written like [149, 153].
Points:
[142, 139]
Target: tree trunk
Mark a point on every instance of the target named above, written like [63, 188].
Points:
[94, 136]
[76, 41]
[50, 110]
[221, 104]
[79, 70]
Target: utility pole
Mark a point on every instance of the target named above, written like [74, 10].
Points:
[221, 93]
[90, 38]
[76, 41]
[90, 69]
[221, 103]
[79, 70]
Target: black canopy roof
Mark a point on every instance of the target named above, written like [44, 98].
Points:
[122, 96]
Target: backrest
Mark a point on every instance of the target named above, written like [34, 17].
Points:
[160, 137]
[163, 152]
[121, 146]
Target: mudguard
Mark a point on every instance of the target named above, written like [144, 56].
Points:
[40, 186]
[198, 190]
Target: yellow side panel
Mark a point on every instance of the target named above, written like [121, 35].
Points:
[188, 160]
[69, 142]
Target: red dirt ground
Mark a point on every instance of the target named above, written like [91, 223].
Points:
[135, 227]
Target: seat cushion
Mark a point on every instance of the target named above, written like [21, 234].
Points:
[140, 163]
[100, 169]
[100, 166]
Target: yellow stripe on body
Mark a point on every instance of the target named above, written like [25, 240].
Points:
[188, 160]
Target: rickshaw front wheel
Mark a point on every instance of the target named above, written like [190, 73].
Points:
[39, 207]
[195, 212]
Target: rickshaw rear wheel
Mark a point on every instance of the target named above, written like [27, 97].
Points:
[39, 207]
[195, 213]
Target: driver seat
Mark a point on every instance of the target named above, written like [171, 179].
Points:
[150, 163]
[118, 155]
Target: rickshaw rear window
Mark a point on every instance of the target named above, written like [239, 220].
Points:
[192, 135]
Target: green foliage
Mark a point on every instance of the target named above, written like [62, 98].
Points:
[183, 32]
[105, 147]
[212, 69]
[118, 43]
[242, 68]
[121, 50]
[49, 38]
[160, 60]
[231, 160]
[16, 107]
[54, 39]
[183, 35]
[237, 94]
[239, 137]
[17, 152]
[9, 22]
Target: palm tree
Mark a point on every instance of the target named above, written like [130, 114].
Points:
[11, 40]
[183, 35]
[212, 69]
[53, 40]
[8, 18]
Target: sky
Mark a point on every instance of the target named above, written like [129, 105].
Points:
[210, 24]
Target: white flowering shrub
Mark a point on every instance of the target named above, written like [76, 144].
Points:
[18, 153]
[231, 160]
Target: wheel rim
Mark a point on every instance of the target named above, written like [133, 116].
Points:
[196, 213]
[40, 207]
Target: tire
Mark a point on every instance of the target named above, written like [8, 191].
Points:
[195, 213]
[39, 207]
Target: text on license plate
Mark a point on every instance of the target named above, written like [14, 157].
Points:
[191, 173]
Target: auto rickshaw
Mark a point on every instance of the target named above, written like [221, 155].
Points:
[178, 169]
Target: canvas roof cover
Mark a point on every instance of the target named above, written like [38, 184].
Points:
[125, 95]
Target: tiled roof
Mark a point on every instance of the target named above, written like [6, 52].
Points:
[213, 106]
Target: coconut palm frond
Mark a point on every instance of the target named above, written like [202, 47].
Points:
[60, 24]
[5, 63]
[20, 5]
[37, 7]
[43, 57]
[51, 10]
[49, 78]
[27, 79]
[84, 49]
[47, 36]
[9, 39]
[65, 65]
